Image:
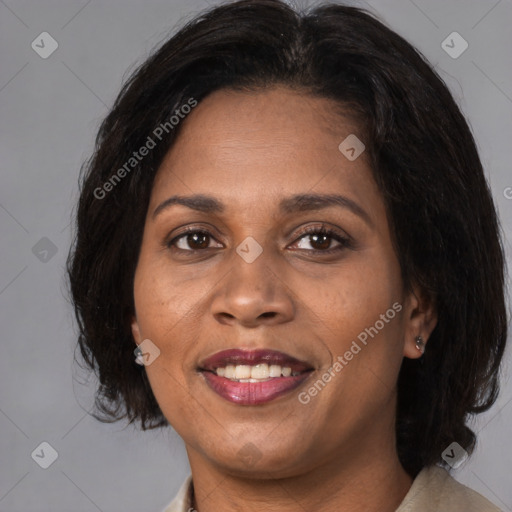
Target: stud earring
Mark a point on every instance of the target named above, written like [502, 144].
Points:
[420, 344]
[138, 356]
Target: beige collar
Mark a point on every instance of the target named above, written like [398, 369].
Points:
[433, 490]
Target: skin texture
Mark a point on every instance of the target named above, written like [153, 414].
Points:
[249, 151]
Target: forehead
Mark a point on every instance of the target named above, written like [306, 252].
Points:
[246, 146]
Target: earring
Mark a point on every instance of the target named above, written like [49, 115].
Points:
[420, 344]
[138, 356]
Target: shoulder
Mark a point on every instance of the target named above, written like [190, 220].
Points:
[435, 490]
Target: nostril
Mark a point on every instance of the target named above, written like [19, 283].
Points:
[224, 318]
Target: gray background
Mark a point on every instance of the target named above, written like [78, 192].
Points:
[50, 110]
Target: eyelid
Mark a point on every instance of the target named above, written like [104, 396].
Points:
[187, 228]
[344, 240]
[172, 239]
[325, 228]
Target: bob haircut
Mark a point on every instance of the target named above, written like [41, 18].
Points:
[424, 160]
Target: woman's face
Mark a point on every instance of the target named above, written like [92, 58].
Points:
[249, 278]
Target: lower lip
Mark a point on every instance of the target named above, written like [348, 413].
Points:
[253, 393]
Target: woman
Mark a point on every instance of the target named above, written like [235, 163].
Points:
[286, 249]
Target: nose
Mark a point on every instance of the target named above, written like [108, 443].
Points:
[253, 294]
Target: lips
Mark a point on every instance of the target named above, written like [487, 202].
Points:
[274, 374]
[237, 357]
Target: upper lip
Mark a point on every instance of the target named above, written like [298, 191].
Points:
[252, 357]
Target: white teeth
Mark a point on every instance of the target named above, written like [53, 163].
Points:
[256, 373]
[229, 373]
[260, 371]
[275, 370]
[242, 371]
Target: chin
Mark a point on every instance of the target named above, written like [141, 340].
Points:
[260, 459]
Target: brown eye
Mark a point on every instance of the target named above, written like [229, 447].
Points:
[198, 240]
[320, 240]
[192, 240]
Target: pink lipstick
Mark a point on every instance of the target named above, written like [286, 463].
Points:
[253, 377]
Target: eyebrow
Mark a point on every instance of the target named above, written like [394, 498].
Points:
[289, 205]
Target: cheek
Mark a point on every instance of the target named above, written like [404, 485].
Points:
[363, 321]
[163, 316]
[361, 310]
[161, 301]
[355, 297]
[161, 313]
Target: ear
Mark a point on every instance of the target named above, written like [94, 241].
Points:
[420, 317]
[136, 330]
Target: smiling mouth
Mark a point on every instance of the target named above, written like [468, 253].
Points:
[253, 377]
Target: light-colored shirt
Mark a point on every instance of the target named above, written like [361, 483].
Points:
[433, 490]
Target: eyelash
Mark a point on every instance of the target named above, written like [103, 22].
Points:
[323, 231]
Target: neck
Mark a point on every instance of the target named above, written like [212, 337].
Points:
[373, 482]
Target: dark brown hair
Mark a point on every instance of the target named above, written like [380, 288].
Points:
[424, 160]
